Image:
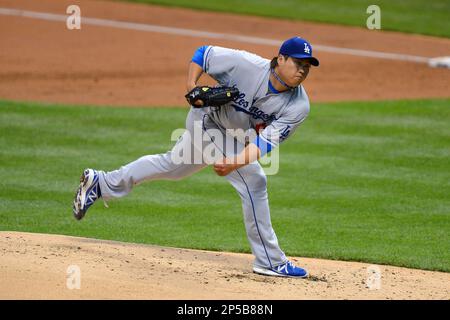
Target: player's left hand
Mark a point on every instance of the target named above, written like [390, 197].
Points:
[211, 96]
[224, 166]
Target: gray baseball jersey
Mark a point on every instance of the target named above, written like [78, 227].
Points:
[279, 114]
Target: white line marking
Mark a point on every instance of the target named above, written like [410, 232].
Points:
[204, 34]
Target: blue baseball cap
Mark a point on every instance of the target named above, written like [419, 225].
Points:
[297, 47]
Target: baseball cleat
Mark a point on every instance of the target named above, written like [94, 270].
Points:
[285, 270]
[88, 192]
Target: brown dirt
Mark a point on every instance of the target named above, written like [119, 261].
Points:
[34, 266]
[43, 61]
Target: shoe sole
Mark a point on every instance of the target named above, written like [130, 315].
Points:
[85, 184]
[268, 272]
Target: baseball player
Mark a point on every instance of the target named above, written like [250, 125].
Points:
[270, 99]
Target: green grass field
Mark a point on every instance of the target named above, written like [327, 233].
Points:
[413, 16]
[358, 181]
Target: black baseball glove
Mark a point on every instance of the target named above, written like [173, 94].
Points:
[211, 96]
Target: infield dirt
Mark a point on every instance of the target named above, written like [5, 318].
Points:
[35, 266]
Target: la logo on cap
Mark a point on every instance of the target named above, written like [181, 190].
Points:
[307, 50]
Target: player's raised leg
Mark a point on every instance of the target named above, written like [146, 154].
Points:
[118, 183]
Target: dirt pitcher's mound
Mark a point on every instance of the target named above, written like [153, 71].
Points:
[41, 266]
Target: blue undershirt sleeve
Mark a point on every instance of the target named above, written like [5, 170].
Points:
[264, 146]
[198, 56]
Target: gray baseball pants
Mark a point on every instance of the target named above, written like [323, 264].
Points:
[249, 181]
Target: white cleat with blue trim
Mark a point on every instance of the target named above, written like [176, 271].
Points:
[285, 270]
[88, 192]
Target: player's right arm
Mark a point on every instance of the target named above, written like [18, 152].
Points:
[195, 72]
[196, 67]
